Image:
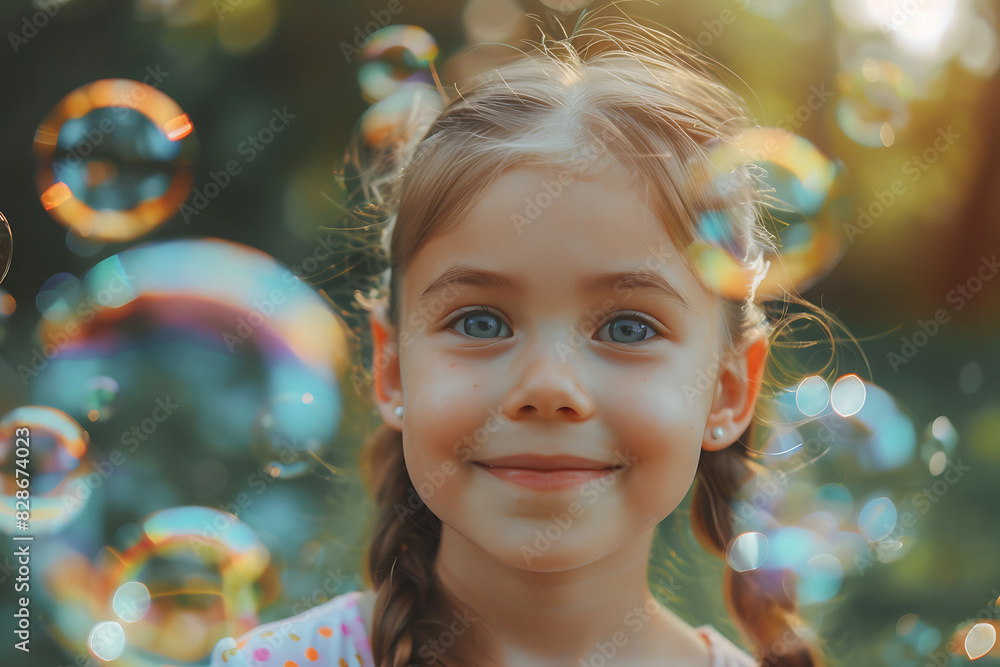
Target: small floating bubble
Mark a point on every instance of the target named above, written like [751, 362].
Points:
[747, 552]
[106, 640]
[848, 395]
[980, 640]
[812, 396]
[131, 601]
[877, 519]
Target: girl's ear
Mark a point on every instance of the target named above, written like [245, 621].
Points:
[385, 367]
[736, 392]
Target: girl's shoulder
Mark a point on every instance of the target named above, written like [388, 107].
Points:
[724, 652]
[332, 633]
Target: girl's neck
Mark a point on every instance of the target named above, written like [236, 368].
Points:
[564, 618]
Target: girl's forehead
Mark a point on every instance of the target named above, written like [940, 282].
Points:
[545, 227]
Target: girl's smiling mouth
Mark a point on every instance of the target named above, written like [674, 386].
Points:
[546, 473]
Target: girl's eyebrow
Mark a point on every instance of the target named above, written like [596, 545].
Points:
[463, 274]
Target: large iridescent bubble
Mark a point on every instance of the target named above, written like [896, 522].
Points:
[45, 453]
[810, 202]
[166, 592]
[114, 159]
[214, 331]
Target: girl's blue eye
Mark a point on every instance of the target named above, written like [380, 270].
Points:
[633, 328]
[480, 321]
[630, 327]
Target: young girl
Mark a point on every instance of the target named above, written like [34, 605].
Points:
[537, 367]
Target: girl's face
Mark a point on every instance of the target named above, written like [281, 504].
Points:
[566, 359]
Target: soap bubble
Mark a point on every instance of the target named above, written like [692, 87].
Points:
[53, 449]
[394, 55]
[115, 159]
[6, 246]
[811, 200]
[747, 552]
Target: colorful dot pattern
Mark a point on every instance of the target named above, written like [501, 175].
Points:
[332, 633]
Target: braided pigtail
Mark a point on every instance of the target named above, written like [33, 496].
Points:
[758, 600]
[408, 620]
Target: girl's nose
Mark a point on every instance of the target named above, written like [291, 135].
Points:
[548, 385]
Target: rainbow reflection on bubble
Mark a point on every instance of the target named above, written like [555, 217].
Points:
[811, 200]
[6, 246]
[114, 159]
[46, 452]
[190, 576]
[875, 94]
[386, 123]
[394, 55]
[225, 324]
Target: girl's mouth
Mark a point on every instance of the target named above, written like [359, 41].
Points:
[547, 480]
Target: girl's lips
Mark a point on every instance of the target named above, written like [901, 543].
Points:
[545, 480]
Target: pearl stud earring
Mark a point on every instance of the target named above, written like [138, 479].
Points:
[399, 411]
[717, 432]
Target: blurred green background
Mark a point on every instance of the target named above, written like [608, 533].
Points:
[188, 405]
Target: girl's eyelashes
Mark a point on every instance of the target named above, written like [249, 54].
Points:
[629, 327]
[629, 330]
[481, 320]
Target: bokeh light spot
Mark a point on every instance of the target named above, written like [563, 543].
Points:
[131, 601]
[812, 395]
[114, 159]
[106, 640]
[748, 551]
[877, 519]
[980, 640]
[848, 395]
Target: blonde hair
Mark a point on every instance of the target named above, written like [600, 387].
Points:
[628, 99]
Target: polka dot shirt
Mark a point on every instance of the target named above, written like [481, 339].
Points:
[329, 635]
[333, 635]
